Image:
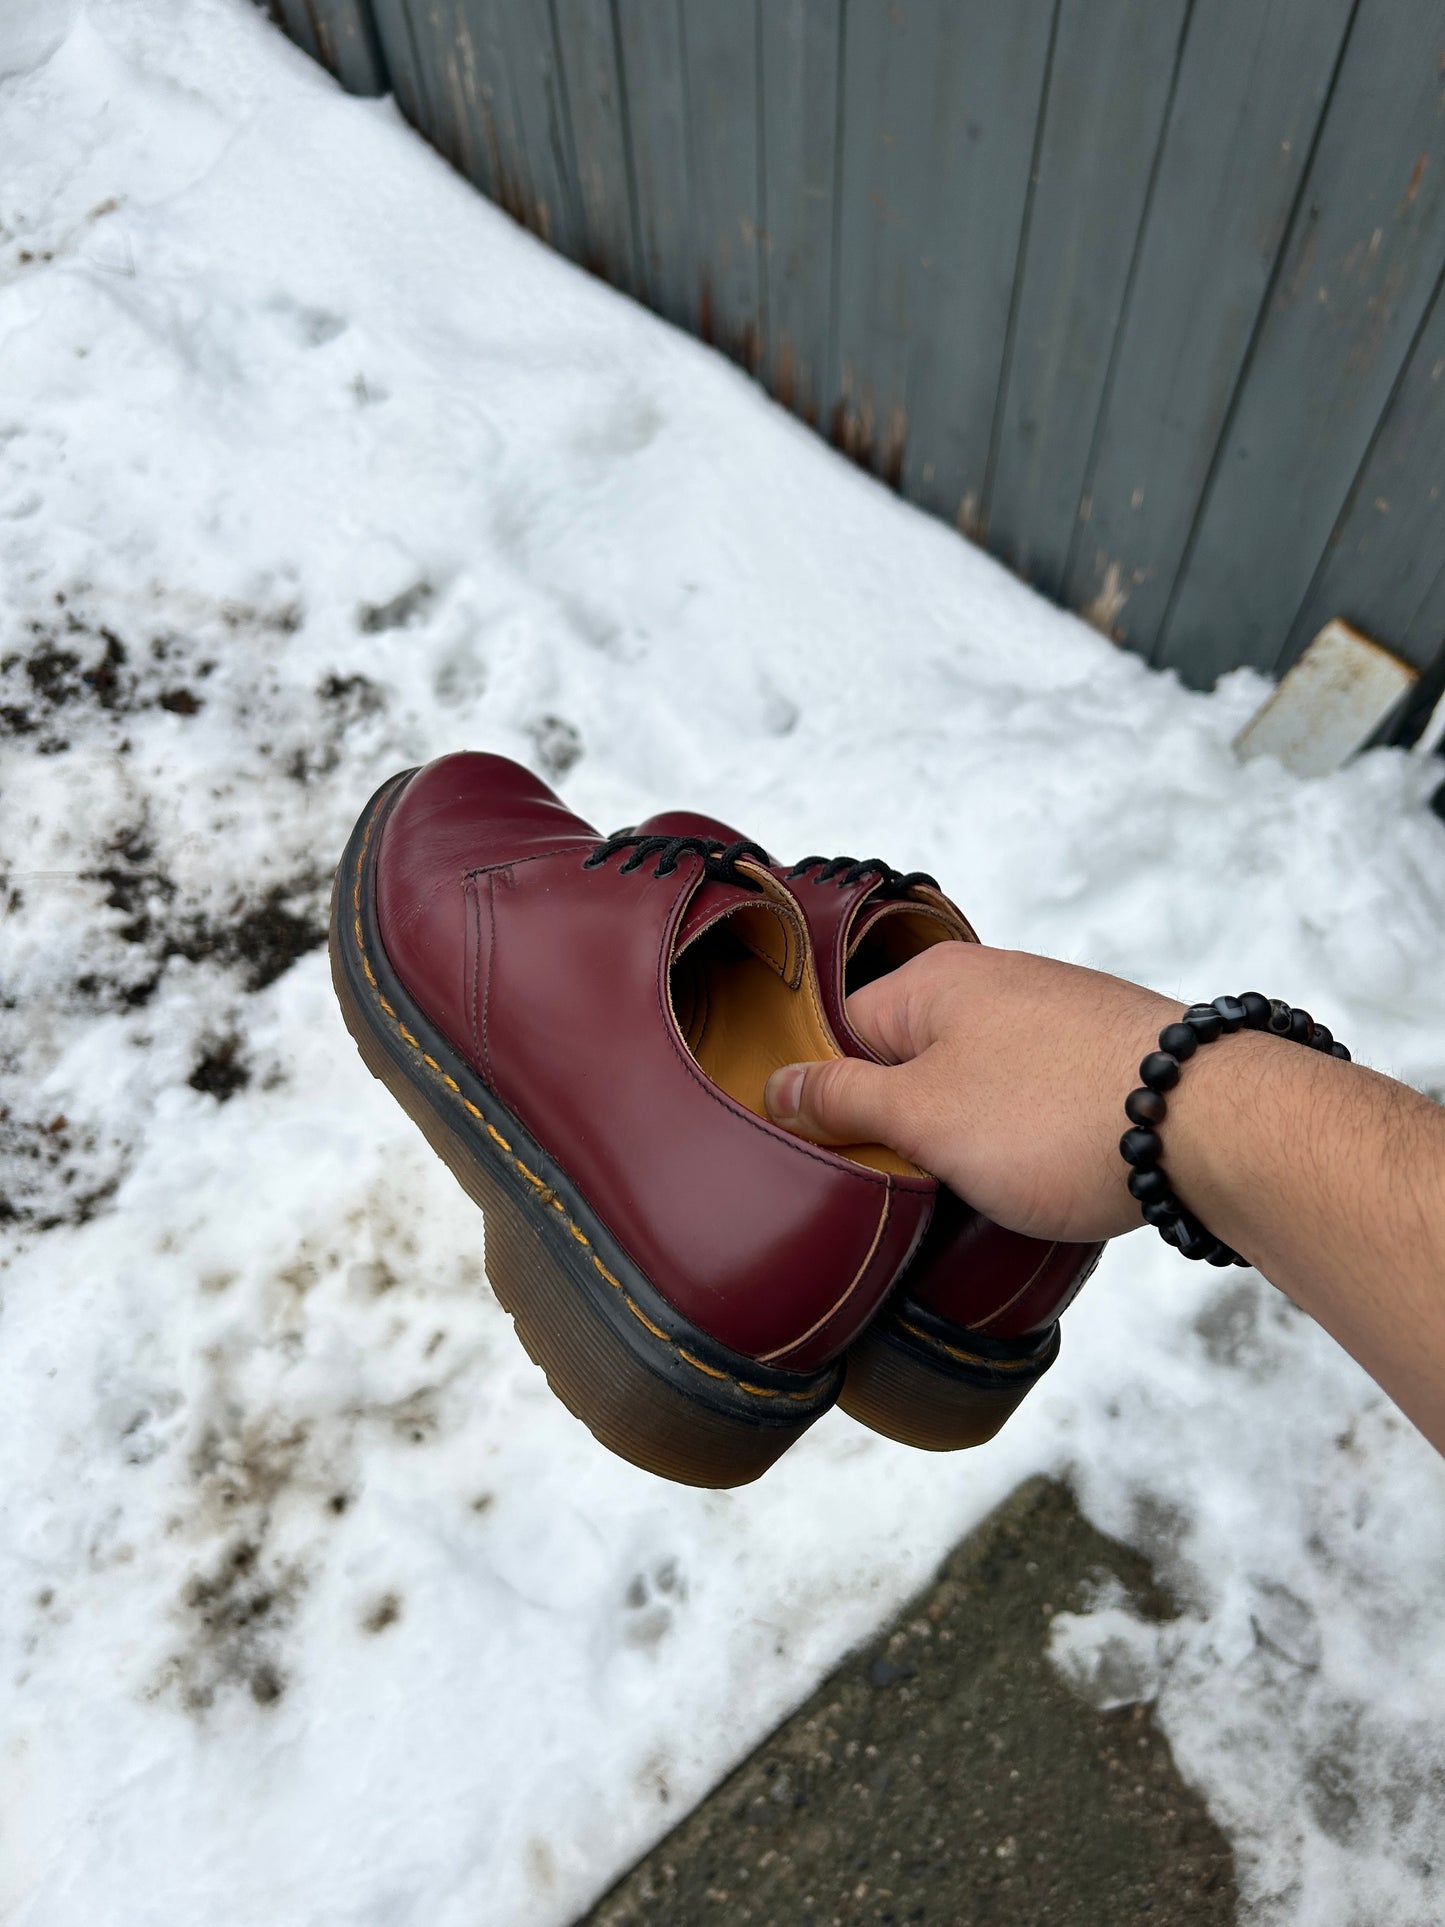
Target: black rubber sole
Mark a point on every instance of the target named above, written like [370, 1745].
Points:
[924, 1382]
[647, 1383]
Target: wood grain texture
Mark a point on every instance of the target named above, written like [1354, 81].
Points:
[1253, 81]
[649, 41]
[587, 43]
[800, 48]
[1109, 91]
[401, 55]
[1360, 267]
[341, 35]
[983, 108]
[720, 67]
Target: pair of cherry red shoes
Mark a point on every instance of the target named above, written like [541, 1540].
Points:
[582, 1027]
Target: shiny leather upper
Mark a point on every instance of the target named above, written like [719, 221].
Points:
[553, 981]
[968, 1269]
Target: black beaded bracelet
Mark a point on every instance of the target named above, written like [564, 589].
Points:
[1140, 1146]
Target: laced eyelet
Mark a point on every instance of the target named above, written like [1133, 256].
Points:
[846, 871]
[720, 860]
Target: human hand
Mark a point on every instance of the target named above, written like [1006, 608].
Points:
[1004, 1074]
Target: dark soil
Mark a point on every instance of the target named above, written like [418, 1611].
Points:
[946, 1775]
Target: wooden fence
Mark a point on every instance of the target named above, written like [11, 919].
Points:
[1143, 294]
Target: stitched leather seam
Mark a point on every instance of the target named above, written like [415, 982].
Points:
[813, 1329]
[773, 1132]
[541, 1191]
[1037, 1272]
[968, 1358]
[487, 987]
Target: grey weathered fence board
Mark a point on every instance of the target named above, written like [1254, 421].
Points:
[1359, 269]
[1108, 94]
[983, 112]
[588, 47]
[1384, 564]
[800, 46]
[720, 66]
[939, 102]
[341, 35]
[649, 34]
[1127, 287]
[401, 56]
[1258, 72]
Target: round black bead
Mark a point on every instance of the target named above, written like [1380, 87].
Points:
[1241, 1261]
[1150, 1186]
[1179, 1041]
[1161, 1212]
[1221, 1255]
[1256, 1010]
[1146, 1106]
[1321, 1037]
[1205, 1021]
[1160, 1071]
[1279, 1017]
[1140, 1148]
[1300, 1026]
[1337, 1049]
[1231, 1011]
[1193, 1240]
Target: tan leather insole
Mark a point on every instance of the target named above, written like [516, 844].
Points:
[741, 1021]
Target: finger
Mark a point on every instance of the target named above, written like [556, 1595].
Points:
[843, 1101]
[898, 1015]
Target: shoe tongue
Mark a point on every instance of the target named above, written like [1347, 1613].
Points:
[764, 919]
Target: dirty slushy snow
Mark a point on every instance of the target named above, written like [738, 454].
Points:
[317, 1607]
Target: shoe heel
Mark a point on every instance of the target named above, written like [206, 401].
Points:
[646, 1384]
[914, 1388]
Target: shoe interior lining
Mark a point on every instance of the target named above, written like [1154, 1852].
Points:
[890, 940]
[742, 1022]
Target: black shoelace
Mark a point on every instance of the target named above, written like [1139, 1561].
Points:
[845, 871]
[719, 859]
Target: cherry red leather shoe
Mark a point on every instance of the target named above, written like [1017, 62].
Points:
[582, 1027]
[974, 1322]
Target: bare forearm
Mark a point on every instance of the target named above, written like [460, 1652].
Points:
[1331, 1180]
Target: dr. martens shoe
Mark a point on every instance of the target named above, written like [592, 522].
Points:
[582, 1027]
[974, 1322]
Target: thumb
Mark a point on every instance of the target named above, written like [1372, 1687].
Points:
[841, 1101]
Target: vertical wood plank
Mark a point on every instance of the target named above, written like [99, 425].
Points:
[346, 35]
[649, 34]
[1358, 272]
[402, 57]
[1384, 564]
[977, 144]
[588, 51]
[1252, 85]
[1113, 71]
[720, 67]
[889, 47]
[799, 76]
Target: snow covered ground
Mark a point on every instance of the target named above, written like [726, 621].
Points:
[314, 1607]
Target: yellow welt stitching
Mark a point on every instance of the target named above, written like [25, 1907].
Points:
[970, 1358]
[471, 1107]
[358, 934]
[616, 1283]
[537, 1183]
[755, 1391]
[643, 1319]
[427, 1058]
[451, 1083]
[408, 1036]
[698, 1365]
[496, 1136]
[366, 966]
[386, 1006]
[580, 1236]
